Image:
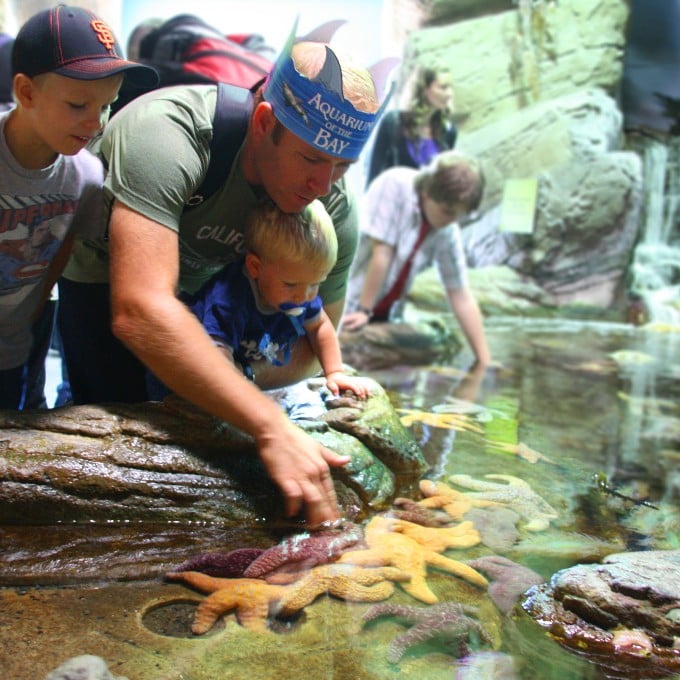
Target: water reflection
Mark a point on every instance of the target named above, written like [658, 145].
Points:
[571, 405]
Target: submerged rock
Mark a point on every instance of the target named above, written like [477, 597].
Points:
[86, 667]
[623, 614]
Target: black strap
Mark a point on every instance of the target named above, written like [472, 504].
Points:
[232, 112]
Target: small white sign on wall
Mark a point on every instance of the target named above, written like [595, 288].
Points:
[518, 206]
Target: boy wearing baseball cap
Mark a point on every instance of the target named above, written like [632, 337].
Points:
[67, 69]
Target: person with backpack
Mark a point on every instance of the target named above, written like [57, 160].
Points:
[303, 129]
[67, 69]
[187, 49]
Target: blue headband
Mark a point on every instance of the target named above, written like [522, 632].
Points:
[315, 109]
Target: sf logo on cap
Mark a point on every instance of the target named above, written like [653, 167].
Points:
[104, 34]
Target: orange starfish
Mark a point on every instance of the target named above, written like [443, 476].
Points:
[454, 503]
[346, 581]
[463, 535]
[251, 597]
[387, 547]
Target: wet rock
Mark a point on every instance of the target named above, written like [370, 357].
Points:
[86, 667]
[602, 609]
[489, 665]
[128, 480]
[377, 426]
[384, 345]
[156, 462]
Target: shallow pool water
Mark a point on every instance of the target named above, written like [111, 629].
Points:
[587, 414]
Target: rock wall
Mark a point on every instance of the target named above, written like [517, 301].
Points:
[506, 61]
[535, 90]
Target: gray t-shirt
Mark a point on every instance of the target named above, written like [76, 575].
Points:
[157, 151]
[38, 209]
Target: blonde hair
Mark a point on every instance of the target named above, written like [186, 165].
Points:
[307, 236]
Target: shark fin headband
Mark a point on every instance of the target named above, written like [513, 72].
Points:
[315, 109]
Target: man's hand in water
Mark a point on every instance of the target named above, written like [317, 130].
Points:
[300, 467]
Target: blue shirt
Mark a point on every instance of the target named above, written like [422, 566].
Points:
[231, 311]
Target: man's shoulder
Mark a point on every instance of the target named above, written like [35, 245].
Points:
[179, 94]
[195, 103]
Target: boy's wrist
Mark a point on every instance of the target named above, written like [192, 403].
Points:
[365, 310]
[333, 371]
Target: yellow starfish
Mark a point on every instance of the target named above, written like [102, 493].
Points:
[346, 581]
[455, 503]
[251, 597]
[522, 450]
[463, 535]
[449, 421]
[387, 547]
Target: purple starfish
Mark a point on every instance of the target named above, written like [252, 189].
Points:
[303, 551]
[223, 565]
[508, 579]
[448, 620]
[411, 511]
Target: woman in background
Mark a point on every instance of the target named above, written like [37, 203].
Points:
[411, 136]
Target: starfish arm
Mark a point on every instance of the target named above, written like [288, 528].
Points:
[429, 488]
[210, 610]
[538, 524]
[200, 581]
[468, 482]
[434, 501]
[456, 568]
[305, 550]
[512, 481]
[371, 557]
[355, 592]
[347, 582]
[224, 565]
[244, 594]
[418, 513]
[418, 633]
[302, 592]
[369, 576]
[403, 611]
[254, 616]
[439, 539]
[417, 587]
[285, 575]
[456, 510]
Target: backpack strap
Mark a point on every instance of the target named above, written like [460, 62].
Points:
[232, 112]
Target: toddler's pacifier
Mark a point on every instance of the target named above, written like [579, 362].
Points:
[293, 309]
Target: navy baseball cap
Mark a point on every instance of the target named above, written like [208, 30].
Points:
[75, 43]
